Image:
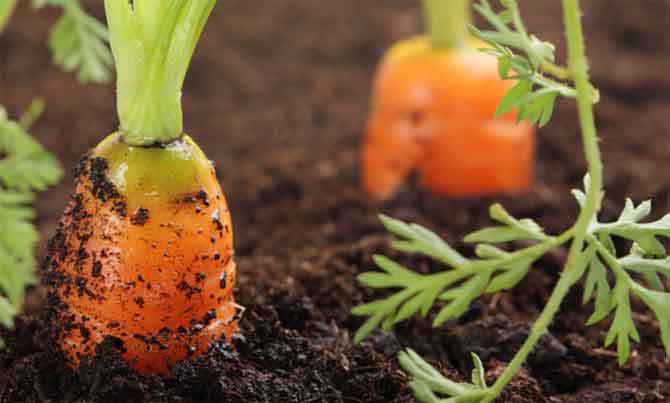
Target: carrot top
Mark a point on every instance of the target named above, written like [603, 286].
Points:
[447, 22]
[153, 42]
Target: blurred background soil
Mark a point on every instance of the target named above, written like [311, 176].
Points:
[277, 96]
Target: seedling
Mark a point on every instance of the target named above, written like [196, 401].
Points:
[643, 271]
[144, 251]
[434, 111]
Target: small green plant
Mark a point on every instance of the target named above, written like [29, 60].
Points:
[25, 168]
[643, 271]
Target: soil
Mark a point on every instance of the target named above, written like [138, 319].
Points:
[277, 96]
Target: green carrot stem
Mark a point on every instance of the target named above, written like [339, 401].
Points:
[578, 64]
[447, 22]
[6, 10]
[153, 43]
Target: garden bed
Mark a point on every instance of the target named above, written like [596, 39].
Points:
[278, 95]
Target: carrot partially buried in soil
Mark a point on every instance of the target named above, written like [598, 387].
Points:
[433, 112]
[144, 251]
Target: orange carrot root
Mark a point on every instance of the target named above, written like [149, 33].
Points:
[152, 269]
[433, 113]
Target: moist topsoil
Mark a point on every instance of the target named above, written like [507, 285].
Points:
[277, 96]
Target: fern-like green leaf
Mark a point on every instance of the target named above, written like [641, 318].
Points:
[459, 285]
[460, 298]
[510, 278]
[79, 42]
[427, 382]
[659, 303]
[596, 280]
[414, 238]
[522, 57]
[25, 167]
[623, 328]
[512, 229]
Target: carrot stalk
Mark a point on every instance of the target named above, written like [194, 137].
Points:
[153, 42]
[447, 22]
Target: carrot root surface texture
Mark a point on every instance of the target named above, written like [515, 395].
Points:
[144, 253]
[433, 113]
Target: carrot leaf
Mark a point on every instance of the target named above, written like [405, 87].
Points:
[25, 168]
[512, 229]
[78, 42]
[465, 280]
[647, 263]
[659, 303]
[524, 58]
[427, 381]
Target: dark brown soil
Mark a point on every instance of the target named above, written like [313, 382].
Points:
[277, 96]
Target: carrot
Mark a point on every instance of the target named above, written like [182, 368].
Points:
[144, 251]
[433, 111]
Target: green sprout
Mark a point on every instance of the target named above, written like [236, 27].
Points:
[643, 271]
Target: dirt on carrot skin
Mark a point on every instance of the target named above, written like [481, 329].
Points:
[282, 118]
